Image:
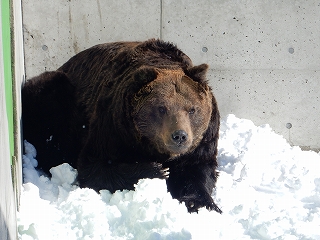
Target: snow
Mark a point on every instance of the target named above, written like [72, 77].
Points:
[266, 189]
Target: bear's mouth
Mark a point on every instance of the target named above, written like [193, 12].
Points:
[177, 148]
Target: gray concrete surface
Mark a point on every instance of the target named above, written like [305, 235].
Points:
[56, 30]
[264, 55]
[264, 58]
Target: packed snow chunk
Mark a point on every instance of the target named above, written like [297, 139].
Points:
[146, 213]
[29, 163]
[63, 175]
[38, 218]
[85, 214]
[30, 152]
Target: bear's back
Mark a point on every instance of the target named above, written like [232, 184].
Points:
[101, 69]
[116, 58]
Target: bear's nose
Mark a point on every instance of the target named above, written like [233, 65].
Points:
[179, 136]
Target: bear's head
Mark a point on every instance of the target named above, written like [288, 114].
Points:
[173, 110]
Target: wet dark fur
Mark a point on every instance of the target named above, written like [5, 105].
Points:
[82, 114]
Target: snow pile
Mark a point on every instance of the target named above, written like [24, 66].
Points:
[266, 189]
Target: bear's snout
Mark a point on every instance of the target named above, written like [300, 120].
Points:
[179, 136]
[178, 142]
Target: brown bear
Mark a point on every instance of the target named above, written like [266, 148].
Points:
[123, 111]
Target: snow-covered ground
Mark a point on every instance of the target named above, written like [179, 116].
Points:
[266, 189]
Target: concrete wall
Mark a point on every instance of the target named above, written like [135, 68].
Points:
[264, 55]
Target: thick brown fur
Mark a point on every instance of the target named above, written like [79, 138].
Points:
[123, 111]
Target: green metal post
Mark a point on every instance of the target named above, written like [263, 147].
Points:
[6, 42]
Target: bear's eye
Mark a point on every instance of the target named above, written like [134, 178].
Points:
[192, 111]
[162, 110]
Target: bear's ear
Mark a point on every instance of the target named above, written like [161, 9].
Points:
[145, 75]
[198, 73]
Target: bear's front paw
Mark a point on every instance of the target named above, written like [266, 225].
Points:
[196, 201]
[160, 172]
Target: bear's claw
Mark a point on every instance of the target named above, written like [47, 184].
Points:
[165, 173]
[162, 173]
[193, 203]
